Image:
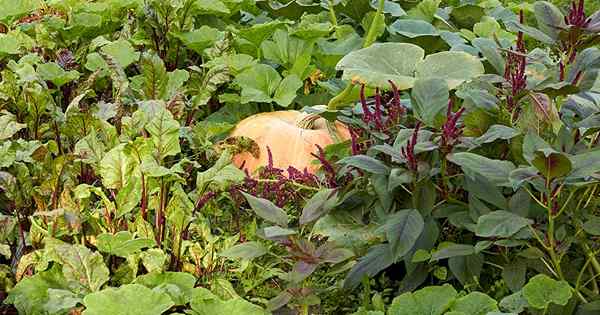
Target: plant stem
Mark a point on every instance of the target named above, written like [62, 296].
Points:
[369, 40]
[372, 33]
[305, 309]
[332, 16]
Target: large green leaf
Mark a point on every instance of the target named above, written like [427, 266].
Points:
[83, 269]
[549, 18]
[122, 51]
[366, 163]
[402, 231]
[318, 205]
[164, 132]
[116, 168]
[453, 66]
[500, 224]
[206, 303]
[431, 100]
[30, 294]
[377, 259]
[247, 250]
[267, 210]
[542, 290]
[475, 303]
[496, 171]
[291, 52]
[54, 73]
[10, 8]
[379, 63]
[131, 299]
[9, 126]
[426, 301]
[263, 84]
[201, 38]
[178, 285]
[122, 244]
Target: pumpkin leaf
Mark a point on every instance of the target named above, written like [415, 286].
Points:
[541, 291]
[379, 63]
[427, 301]
[261, 83]
[134, 299]
[453, 66]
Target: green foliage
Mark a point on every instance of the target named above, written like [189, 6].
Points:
[468, 183]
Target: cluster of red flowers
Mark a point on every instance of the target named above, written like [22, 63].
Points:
[514, 70]
[408, 152]
[274, 184]
[451, 131]
[576, 16]
[575, 20]
[392, 106]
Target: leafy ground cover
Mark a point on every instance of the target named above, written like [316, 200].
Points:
[453, 165]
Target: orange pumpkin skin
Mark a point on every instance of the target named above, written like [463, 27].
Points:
[290, 144]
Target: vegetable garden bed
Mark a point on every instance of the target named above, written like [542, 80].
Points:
[299, 157]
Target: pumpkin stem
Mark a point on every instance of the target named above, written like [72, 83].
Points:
[370, 38]
[308, 122]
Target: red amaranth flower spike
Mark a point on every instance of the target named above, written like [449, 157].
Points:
[514, 70]
[365, 107]
[330, 173]
[408, 152]
[576, 16]
[378, 117]
[396, 110]
[450, 130]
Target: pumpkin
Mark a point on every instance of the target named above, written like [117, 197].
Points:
[291, 136]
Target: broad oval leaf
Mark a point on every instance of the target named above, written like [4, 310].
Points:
[379, 63]
[318, 205]
[366, 163]
[541, 291]
[267, 210]
[247, 250]
[433, 300]
[453, 66]
[122, 244]
[500, 224]
[132, 299]
[496, 171]
[402, 230]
